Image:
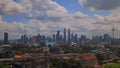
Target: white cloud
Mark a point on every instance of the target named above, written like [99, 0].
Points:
[46, 10]
[46, 16]
[11, 7]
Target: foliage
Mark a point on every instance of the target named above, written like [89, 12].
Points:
[71, 63]
[100, 57]
[86, 49]
[77, 49]
[111, 65]
[28, 50]
[70, 49]
[3, 66]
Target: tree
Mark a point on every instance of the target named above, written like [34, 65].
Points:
[100, 57]
[3, 66]
[62, 63]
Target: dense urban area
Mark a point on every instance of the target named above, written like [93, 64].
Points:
[64, 49]
[59, 33]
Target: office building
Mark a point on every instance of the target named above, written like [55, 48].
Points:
[58, 36]
[54, 38]
[5, 38]
[64, 35]
[69, 37]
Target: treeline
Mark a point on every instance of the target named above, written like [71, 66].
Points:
[69, 63]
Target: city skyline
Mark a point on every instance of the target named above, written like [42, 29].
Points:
[63, 37]
[67, 37]
[47, 16]
[66, 33]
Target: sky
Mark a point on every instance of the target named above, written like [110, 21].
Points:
[85, 17]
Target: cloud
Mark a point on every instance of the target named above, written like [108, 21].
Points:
[46, 10]
[100, 4]
[46, 17]
[10, 7]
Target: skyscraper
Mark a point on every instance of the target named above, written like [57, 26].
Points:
[24, 39]
[64, 35]
[69, 40]
[34, 40]
[83, 39]
[76, 38]
[39, 39]
[58, 36]
[5, 37]
[72, 37]
[54, 38]
[107, 39]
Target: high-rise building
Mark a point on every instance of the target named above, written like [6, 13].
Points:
[76, 38]
[54, 38]
[34, 40]
[64, 35]
[24, 39]
[107, 39]
[49, 39]
[79, 41]
[69, 38]
[83, 39]
[72, 37]
[58, 36]
[39, 39]
[61, 38]
[5, 37]
[43, 41]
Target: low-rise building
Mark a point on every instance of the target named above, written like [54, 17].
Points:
[90, 59]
